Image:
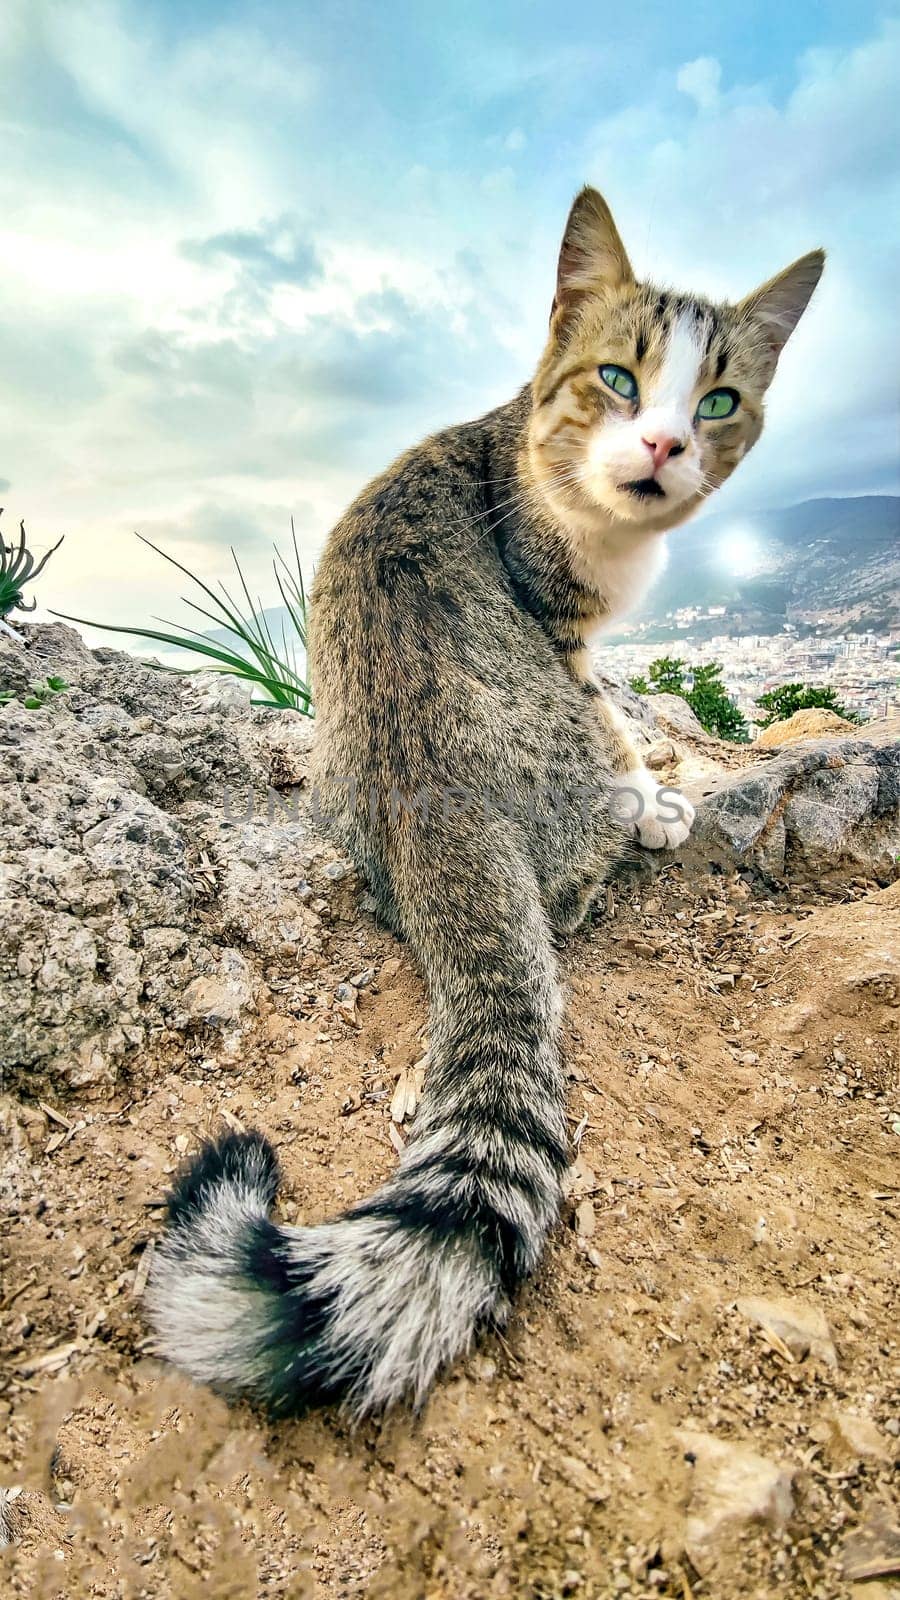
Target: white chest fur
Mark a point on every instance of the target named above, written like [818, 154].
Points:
[621, 570]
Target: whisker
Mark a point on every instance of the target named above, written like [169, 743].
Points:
[521, 501]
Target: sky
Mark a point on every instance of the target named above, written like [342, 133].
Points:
[250, 252]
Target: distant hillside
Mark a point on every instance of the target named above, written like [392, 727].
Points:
[829, 562]
[280, 627]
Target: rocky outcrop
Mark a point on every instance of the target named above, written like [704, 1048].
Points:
[818, 807]
[148, 870]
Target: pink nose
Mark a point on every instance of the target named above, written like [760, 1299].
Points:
[661, 449]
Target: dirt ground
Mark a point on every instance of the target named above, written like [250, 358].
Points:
[734, 1107]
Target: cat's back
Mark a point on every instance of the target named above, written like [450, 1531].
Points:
[409, 567]
[411, 515]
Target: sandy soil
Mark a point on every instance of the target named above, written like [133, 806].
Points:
[734, 1105]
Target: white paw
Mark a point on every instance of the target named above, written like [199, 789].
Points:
[660, 817]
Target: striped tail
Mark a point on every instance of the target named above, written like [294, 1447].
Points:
[368, 1308]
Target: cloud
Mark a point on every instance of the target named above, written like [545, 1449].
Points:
[259, 260]
[700, 79]
[203, 534]
[245, 266]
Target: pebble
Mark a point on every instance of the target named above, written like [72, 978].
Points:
[801, 1328]
[731, 1487]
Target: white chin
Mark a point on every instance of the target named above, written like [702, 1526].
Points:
[636, 508]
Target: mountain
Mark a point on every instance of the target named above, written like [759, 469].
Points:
[277, 619]
[829, 564]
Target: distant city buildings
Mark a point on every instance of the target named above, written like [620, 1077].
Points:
[862, 668]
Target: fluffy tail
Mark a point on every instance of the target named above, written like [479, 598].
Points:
[368, 1308]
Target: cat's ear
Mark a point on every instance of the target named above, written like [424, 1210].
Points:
[592, 256]
[779, 304]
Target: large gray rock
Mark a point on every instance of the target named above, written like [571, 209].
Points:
[818, 806]
[674, 715]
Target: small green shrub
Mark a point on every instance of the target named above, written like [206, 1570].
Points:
[707, 697]
[18, 566]
[271, 666]
[37, 695]
[790, 697]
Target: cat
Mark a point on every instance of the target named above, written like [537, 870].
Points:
[468, 761]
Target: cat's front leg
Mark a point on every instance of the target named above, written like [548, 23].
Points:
[661, 817]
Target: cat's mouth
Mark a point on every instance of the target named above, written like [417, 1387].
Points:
[644, 489]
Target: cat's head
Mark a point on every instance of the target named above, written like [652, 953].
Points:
[646, 400]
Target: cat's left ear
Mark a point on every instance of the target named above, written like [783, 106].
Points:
[779, 304]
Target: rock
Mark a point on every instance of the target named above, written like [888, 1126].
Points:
[218, 999]
[852, 1437]
[128, 854]
[660, 754]
[674, 715]
[873, 1551]
[337, 870]
[815, 807]
[731, 1487]
[50, 650]
[801, 1329]
[222, 691]
[813, 723]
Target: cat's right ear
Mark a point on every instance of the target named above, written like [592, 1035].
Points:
[592, 256]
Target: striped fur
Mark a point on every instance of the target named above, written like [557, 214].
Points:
[368, 1308]
[448, 644]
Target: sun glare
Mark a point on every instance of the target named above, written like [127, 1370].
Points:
[739, 551]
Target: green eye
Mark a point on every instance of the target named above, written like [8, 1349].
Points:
[717, 404]
[620, 380]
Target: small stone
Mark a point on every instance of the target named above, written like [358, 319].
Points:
[585, 1220]
[661, 754]
[857, 1436]
[801, 1329]
[732, 1486]
[218, 1001]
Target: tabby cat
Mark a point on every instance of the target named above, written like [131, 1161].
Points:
[469, 763]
